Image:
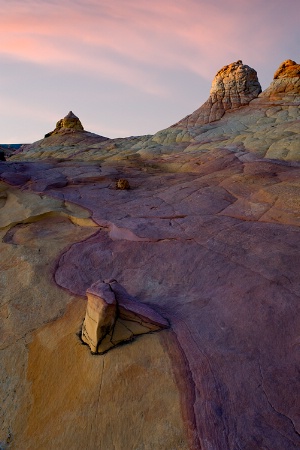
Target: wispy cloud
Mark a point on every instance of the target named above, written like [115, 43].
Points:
[134, 47]
[120, 38]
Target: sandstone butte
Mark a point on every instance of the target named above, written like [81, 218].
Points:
[194, 269]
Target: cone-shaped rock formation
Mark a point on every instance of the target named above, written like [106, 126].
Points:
[234, 85]
[69, 123]
[286, 81]
[68, 139]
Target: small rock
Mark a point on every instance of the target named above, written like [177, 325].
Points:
[122, 184]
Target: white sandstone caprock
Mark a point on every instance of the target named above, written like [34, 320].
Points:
[234, 85]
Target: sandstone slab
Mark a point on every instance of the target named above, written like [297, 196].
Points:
[114, 317]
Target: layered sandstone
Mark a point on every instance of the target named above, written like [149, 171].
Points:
[114, 317]
[286, 81]
[267, 125]
[100, 316]
[234, 85]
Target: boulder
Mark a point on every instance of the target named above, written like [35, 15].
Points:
[101, 313]
[113, 317]
[122, 184]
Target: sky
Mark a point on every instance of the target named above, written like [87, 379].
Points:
[129, 67]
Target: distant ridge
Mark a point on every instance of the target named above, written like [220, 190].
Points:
[8, 146]
[237, 116]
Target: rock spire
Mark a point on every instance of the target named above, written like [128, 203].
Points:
[69, 123]
[286, 81]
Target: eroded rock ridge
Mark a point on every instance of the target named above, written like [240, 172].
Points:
[236, 117]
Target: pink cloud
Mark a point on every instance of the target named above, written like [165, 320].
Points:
[120, 38]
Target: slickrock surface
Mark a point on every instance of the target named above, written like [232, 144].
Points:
[214, 252]
[54, 393]
[207, 239]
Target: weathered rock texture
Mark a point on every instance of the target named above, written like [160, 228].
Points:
[100, 316]
[113, 317]
[288, 69]
[234, 85]
[69, 123]
[207, 237]
[268, 126]
[286, 81]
